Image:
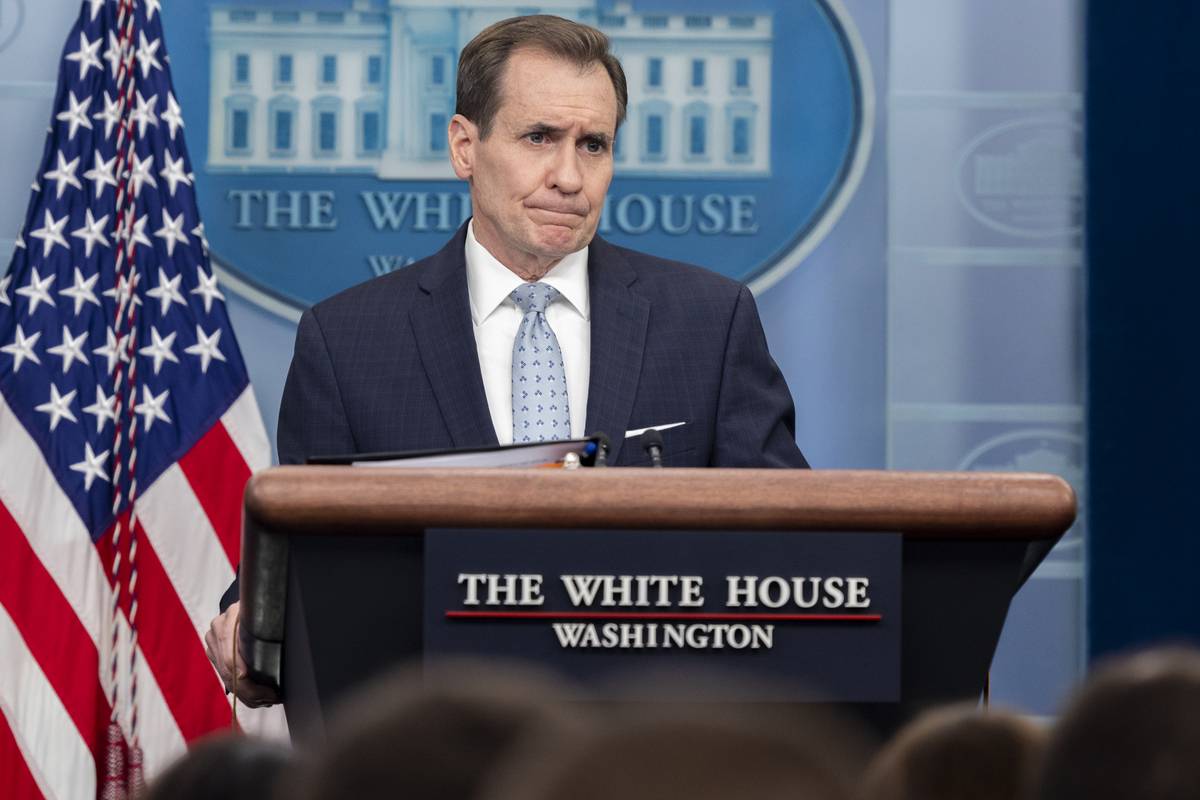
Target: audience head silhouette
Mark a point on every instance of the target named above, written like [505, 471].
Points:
[433, 734]
[1132, 732]
[958, 753]
[224, 767]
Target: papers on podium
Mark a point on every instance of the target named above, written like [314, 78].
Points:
[568, 453]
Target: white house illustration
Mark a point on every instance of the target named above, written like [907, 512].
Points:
[367, 86]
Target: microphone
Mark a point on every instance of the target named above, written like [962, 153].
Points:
[596, 451]
[652, 443]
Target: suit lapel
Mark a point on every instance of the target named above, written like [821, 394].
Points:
[442, 328]
[619, 320]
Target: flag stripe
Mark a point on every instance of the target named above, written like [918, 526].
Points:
[56, 755]
[244, 423]
[173, 652]
[217, 473]
[15, 776]
[175, 522]
[52, 632]
[57, 535]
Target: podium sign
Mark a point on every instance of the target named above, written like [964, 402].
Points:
[817, 615]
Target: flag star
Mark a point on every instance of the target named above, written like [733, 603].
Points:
[171, 231]
[114, 53]
[4, 282]
[104, 409]
[151, 7]
[92, 232]
[206, 348]
[37, 290]
[173, 115]
[146, 53]
[71, 349]
[139, 231]
[113, 350]
[58, 407]
[86, 55]
[198, 232]
[96, 6]
[151, 407]
[121, 293]
[51, 233]
[76, 115]
[92, 466]
[207, 288]
[160, 349]
[173, 173]
[111, 114]
[82, 291]
[22, 348]
[64, 175]
[143, 115]
[101, 173]
[167, 292]
[141, 173]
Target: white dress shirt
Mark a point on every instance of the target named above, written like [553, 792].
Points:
[496, 320]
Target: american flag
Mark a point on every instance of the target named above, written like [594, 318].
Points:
[127, 432]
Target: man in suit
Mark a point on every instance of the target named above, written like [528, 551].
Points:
[526, 326]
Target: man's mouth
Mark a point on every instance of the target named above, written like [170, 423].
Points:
[558, 212]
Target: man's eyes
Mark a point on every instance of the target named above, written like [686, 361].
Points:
[593, 146]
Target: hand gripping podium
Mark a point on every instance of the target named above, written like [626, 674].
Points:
[332, 557]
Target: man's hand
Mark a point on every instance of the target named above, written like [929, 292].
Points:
[219, 643]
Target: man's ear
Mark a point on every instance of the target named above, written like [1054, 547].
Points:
[464, 136]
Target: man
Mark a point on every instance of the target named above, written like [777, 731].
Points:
[526, 326]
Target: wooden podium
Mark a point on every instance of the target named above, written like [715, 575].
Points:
[331, 574]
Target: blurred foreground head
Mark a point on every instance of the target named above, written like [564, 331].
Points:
[434, 733]
[1132, 732]
[666, 752]
[223, 767]
[958, 753]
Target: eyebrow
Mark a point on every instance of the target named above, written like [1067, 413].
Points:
[554, 130]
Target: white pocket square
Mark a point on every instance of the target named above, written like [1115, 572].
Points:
[640, 431]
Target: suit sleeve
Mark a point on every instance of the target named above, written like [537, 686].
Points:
[756, 418]
[312, 420]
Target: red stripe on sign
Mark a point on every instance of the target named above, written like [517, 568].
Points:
[54, 635]
[174, 651]
[217, 473]
[685, 616]
[15, 777]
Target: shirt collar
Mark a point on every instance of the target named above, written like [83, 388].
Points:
[489, 283]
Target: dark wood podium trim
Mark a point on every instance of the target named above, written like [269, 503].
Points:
[388, 500]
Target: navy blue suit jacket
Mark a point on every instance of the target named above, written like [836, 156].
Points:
[391, 365]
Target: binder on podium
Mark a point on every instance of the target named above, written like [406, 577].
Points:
[333, 585]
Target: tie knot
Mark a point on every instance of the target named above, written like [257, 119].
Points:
[534, 296]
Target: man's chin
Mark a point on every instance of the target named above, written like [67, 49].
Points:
[556, 241]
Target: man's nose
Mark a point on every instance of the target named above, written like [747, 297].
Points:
[565, 174]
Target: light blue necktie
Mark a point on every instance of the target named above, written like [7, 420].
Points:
[539, 382]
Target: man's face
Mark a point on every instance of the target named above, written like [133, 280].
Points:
[539, 178]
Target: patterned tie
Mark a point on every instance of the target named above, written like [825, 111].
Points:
[539, 382]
